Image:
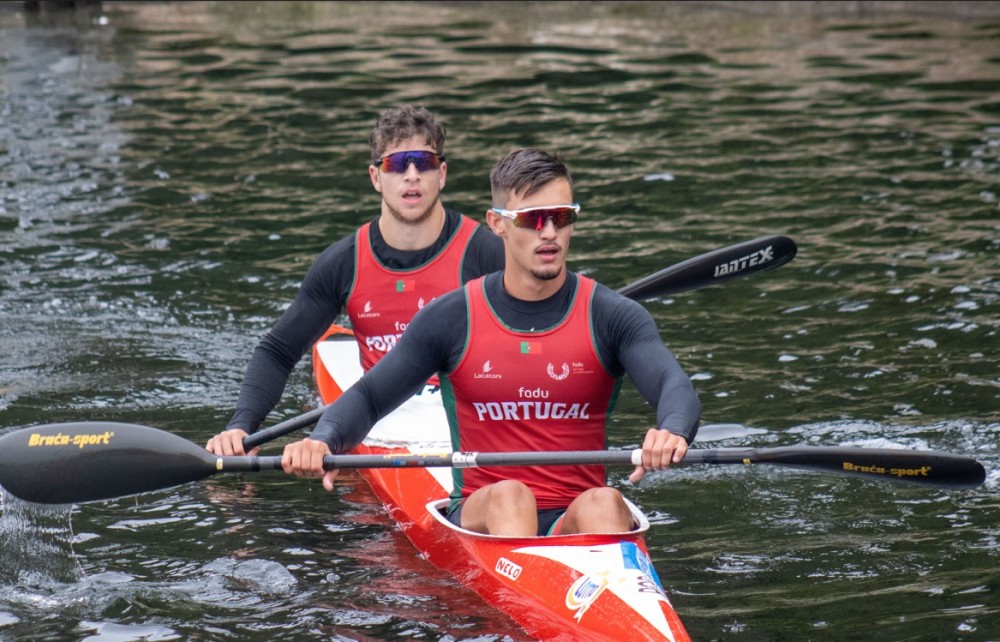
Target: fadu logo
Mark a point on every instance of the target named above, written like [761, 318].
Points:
[560, 375]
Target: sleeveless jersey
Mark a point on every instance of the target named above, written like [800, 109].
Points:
[530, 391]
[383, 301]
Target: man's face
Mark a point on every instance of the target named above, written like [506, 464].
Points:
[411, 196]
[539, 252]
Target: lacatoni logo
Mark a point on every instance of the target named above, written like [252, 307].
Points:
[486, 373]
[367, 313]
[738, 265]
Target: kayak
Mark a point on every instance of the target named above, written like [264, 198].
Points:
[564, 587]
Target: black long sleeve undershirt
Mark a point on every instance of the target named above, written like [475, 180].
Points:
[321, 298]
[627, 339]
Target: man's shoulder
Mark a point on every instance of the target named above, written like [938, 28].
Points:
[606, 298]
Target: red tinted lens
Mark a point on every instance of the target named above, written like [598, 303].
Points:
[535, 219]
[399, 162]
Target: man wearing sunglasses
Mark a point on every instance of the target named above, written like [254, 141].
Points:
[415, 250]
[530, 359]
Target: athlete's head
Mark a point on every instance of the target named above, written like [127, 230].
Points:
[533, 212]
[404, 122]
[523, 172]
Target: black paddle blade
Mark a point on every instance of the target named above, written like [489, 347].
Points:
[921, 467]
[742, 259]
[84, 461]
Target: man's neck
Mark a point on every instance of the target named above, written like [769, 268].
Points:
[527, 287]
[412, 236]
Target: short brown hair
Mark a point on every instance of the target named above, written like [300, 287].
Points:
[399, 123]
[525, 171]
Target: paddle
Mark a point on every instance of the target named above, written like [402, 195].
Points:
[741, 259]
[85, 461]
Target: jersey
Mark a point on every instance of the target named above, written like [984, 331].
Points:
[382, 300]
[323, 295]
[530, 391]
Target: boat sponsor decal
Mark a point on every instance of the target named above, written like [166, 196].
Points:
[508, 568]
[620, 569]
[561, 375]
[80, 441]
[584, 592]
[634, 558]
[529, 410]
[738, 265]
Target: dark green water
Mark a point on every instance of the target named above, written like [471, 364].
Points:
[169, 171]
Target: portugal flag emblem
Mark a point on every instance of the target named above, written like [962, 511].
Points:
[531, 347]
[405, 285]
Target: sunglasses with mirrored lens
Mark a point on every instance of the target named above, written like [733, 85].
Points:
[399, 162]
[533, 218]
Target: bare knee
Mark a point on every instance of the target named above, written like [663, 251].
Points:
[507, 508]
[598, 510]
[510, 495]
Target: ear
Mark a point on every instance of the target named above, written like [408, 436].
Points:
[495, 222]
[373, 175]
[443, 171]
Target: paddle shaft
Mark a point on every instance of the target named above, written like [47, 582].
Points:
[741, 259]
[928, 468]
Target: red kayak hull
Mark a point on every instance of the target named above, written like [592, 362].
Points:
[563, 587]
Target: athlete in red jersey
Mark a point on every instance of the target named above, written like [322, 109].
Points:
[414, 251]
[530, 359]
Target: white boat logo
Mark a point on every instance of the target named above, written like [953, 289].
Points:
[421, 304]
[584, 592]
[508, 568]
[562, 375]
[487, 366]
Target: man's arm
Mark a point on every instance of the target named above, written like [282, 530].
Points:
[630, 342]
[319, 300]
[433, 342]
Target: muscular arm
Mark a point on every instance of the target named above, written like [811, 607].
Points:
[628, 341]
[320, 299]
[422, 351]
